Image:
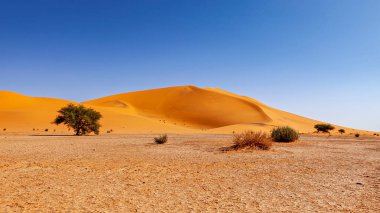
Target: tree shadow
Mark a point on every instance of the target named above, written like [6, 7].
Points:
[57, 135]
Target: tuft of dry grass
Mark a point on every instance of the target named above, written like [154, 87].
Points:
[253, 140]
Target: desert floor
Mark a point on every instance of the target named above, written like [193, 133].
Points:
[128, 173]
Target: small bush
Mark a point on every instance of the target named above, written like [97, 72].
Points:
[324, 128]
[357, 135]
[5, 129]
[46, 130]
[284, 134]
[161, 139]
[254, 140]
[342, 131]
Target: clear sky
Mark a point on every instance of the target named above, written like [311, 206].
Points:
[316, 58]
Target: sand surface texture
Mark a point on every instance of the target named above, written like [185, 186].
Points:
[128, 173]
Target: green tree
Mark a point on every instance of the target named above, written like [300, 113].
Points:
[324, 128]
[341, 131]
[79, 118]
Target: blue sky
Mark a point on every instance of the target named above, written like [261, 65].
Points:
[316, 58]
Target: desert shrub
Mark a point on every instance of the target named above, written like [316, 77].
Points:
[46, 130]
[250, 139]
[161, 139]
[83, 120]
[324, 128]
[5, 129]
[342, 131]
[357, 135]
[284, 134]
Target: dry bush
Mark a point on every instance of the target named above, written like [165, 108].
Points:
[161, 139]
[253, 140]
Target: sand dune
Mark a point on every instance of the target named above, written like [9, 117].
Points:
[19, 113]
[23, 113]
[174, 109]
[187, 105]
[210, 109]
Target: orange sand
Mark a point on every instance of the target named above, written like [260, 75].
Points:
[182, 109]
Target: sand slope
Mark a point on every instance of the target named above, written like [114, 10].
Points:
[213, 109]
[173, 109]
[187, 105]
[19, 113]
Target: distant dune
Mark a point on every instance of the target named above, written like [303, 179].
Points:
[23, 113]
[178, 109]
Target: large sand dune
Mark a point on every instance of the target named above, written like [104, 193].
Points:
[188, 105]
[173, 109]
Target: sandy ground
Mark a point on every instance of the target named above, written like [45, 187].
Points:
[128, 173]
